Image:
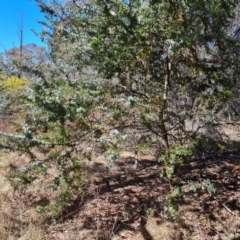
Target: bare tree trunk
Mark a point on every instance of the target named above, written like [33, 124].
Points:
[20, 37]
[164, 106]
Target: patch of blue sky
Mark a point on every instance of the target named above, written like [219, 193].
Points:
[11, 13]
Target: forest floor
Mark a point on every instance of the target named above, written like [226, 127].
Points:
[130, 204]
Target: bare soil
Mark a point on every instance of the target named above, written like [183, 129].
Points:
[128, 203]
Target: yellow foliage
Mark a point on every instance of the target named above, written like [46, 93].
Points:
[12, 83]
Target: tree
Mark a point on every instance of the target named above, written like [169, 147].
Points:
[175, 59]
[33, 57]
[25, 59]
[32, 64]
[164, 70]
[17, 53]
[20, 36]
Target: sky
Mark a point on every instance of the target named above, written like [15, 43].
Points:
[10, 16]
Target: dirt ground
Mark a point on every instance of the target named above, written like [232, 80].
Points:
[128, 203]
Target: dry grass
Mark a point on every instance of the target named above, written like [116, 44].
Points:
[33, 232]
[16, 222]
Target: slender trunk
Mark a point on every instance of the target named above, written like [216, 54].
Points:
[20, 36]
[21, 55]
[165, 105]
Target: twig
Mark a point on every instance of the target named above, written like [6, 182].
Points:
[113, 227]
[227, 209]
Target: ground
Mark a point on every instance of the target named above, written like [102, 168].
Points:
[131, 206]
[128, 203]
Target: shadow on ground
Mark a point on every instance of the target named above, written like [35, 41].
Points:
[128, 203]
